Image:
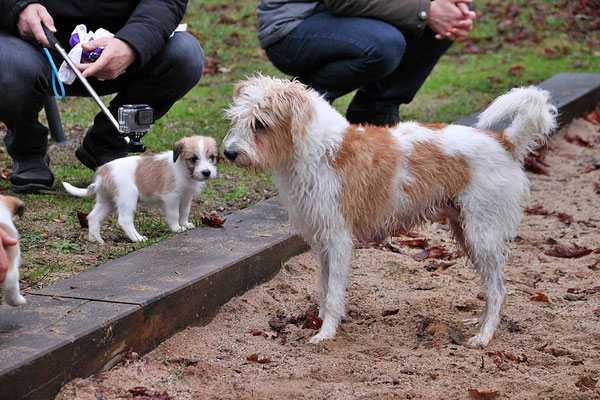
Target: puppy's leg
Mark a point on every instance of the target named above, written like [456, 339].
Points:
[185, 203]
[10, 287]
[102, 208]
[126, 205]
[337, 255]
[171, 207]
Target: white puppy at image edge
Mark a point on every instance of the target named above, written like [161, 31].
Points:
[343, 183]
[9, 207]
[172, 178]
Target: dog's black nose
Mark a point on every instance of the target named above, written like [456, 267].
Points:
[230, 154]
[206, 172]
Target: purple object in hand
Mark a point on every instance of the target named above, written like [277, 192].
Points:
[86, 56]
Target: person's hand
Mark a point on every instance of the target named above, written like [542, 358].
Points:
[6, 241]
[30, 23]
[116, 56]
[450, 18]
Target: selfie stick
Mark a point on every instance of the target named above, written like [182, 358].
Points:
[84, 81]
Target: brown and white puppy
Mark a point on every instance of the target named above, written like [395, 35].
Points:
[172, 178]
[9, 207]
[343, 183]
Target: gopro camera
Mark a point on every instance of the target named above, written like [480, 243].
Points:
[134, 121]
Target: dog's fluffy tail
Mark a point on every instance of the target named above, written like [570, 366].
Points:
[75, 191]
[534, 118]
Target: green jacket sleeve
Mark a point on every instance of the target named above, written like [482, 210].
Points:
[407, 15]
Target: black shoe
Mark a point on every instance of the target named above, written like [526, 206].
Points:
[93, 160]
[32, 174]
[359, 116]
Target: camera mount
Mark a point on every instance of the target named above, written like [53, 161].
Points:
[134, 119]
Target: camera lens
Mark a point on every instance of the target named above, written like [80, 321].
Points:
[145, 117]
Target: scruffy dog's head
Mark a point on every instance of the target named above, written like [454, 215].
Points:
[269, 118]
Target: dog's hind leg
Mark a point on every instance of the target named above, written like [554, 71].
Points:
[337, 254]
[126, 205]
[485, 246]
[101, 209]
[323, 281]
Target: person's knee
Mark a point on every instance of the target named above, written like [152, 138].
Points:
[385, 51]
[23, 80]
[186, 58]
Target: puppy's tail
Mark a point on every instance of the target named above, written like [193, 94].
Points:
[534, 118]
[75, 191]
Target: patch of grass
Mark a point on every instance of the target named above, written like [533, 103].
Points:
[54, 246]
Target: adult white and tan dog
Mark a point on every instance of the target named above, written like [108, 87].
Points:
[172, 178]
[343, 183]
[9, 207]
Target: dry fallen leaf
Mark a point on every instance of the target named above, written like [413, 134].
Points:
[593, 117]
[540, 297]
[82, 217]
[567, 252]
[516, 69]
[586, 382]
[419, 242]
[213, 221]
[483, 394]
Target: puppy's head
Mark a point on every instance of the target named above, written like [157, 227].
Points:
[269, 118]
[199, 155]
[13, 205]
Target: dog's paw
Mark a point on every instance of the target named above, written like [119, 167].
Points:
[93, 238]
[479, 340]
[15, 300]
[188, 225]
[178, 229]
[319, 337]
[139, 238]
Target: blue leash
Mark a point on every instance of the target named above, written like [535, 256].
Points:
[55, 76]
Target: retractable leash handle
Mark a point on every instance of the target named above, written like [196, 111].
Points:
[52, 39]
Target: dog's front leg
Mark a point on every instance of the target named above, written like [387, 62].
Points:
[10, 287]
[184, 212]
[337, 255]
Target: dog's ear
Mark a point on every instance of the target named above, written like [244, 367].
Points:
[237, 89]
[300, 107]
[15, 206]
[177, 149]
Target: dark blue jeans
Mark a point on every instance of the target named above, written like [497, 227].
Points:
[25, 81]
[336, 55]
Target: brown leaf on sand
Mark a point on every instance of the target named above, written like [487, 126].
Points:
[417, 242]
[252, 357]
[82, 217]
[586, 382]
[438, 327]
[141, 392]
[536, 210]
[278, 323]
[568, 252]
[535, 163]
[483, 394]
[540, 297]
[312, 321]
[432, 266]
[213, 221]
[593, 117]
[580, 139]
[438, 252]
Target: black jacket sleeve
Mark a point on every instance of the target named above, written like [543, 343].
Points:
[149, 27]
[9, 13]
[406, 15]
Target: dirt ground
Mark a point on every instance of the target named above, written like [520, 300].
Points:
[403, 333]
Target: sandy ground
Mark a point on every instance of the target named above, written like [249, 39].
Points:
[402, 336]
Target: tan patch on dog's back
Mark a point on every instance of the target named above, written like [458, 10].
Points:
[367, 161]
[154, 176]
[433, 126]
[108, 183]
[500, 138]
[432, 168]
